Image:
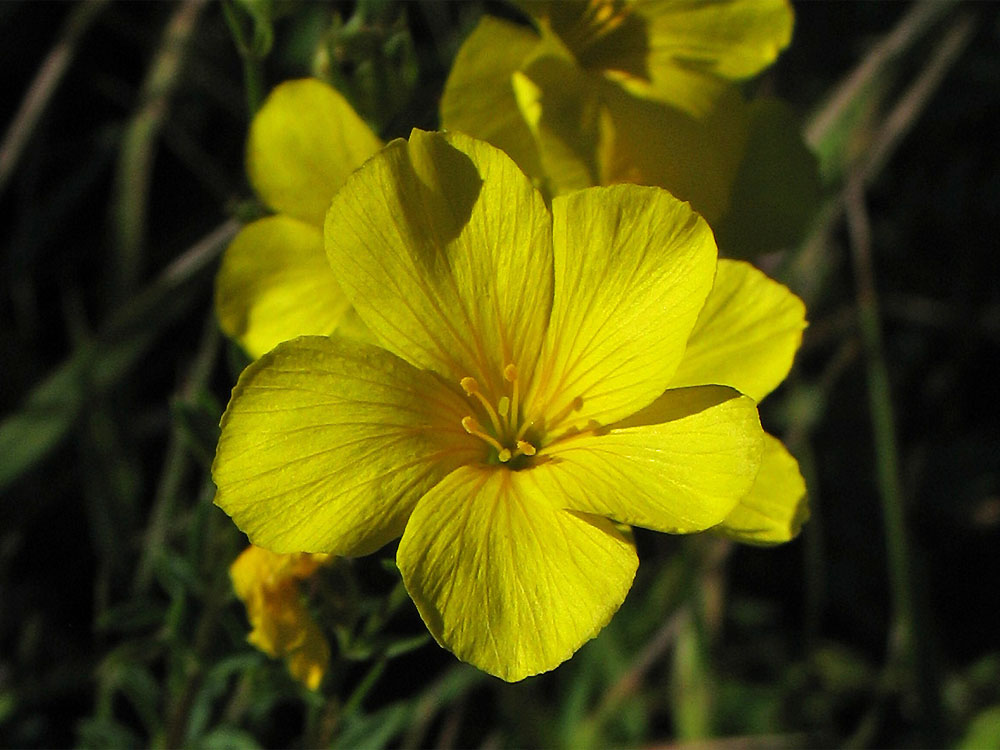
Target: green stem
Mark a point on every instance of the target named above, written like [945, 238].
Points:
[693, 681]
[253, 76]
[44, 85]
[909, 644]
[133, 175]
[176, 462]
[919, 18]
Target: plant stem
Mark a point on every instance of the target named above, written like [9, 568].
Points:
[175, 464]
[44, 85]
[920, 17]
[130, 200]
[908, 644]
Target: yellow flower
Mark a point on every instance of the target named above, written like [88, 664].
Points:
[281, 625]
[530, 390]
[607, 91]
[274, 282]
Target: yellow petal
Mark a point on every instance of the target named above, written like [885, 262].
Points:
[696, 159]
[679, 466]
[732, 39]
[309, 662]
[478, 99]
[633, 266]
[673, 51]
[776, 507]
[444, 248]
[506, 579]
[747, 334]
[281, 625]
[304, 142]
[275, 284]
[561, 105]
[327, 444]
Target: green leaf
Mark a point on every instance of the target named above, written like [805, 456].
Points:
[44, 419]
[213, 687]
[98, 732]
[261, 13]
[136, 615]
[777, 190]
[983, 732]
[198, 422]
[375, 731]
[223, 738]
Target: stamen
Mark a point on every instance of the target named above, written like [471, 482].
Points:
[575, 405]
[525, 448]
[505, 419]
[471, 388]
[474, 428]
[510, 374]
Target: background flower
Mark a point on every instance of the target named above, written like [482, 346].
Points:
[267, 584]
[604, 92]
[274, 282]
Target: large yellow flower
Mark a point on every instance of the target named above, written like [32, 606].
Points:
[540, 378]
[607, 91]
[267, 584]
[274, 283]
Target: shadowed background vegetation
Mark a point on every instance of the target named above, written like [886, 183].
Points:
[121, 180]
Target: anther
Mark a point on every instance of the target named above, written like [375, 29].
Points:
[526, 448]
[469, 385]
[504, 455]
[503, 406]
[510, 372]
[575, 405]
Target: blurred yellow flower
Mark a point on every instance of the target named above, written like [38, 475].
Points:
[274, 282]
[540, 376]
[607, 91]
[267, 584]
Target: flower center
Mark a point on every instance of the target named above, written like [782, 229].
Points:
[505, 432]
[598, 19]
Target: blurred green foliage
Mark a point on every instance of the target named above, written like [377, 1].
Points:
[118, 626]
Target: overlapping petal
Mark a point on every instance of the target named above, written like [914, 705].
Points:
[680, 465]
[478, 98]
[505, 578]
[677, 52]
[746, 335]
[775, 508]
[444, 248]
[590, 132]
[327, 444]
[633, 266]
[275, 284]
[732, 39]
[562, 108]
[304, 142]
[651, 143]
